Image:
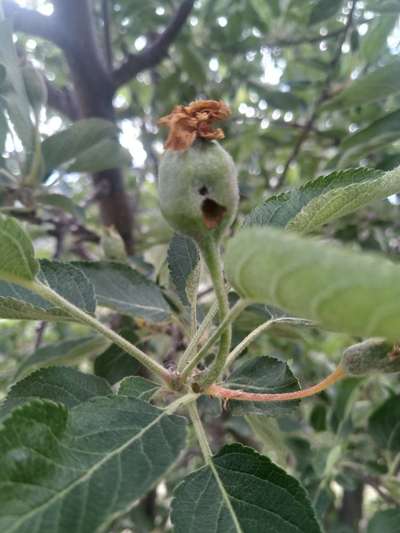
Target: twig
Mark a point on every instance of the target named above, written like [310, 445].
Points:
[191, 348]
[262, 329]
[44, 291]
[105, 7]
[32, 22]
[230, 317]
[63, 100]
[155, 52]
[372, 481]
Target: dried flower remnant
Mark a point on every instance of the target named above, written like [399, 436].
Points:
[191, 122]
[197, 183]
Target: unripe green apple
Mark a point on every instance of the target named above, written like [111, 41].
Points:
[198, 189]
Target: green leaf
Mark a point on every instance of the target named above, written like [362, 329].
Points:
[354, 40]
[270, 435]
[59, 384]
[324, 9]
[377, 134]
[262, 375]
[384, 423]
[242, 492]
[62, 202]
[394, 441]
[276, 210]
[19, 303]
[67, 145]
[183, 264]
[385, 6]
[263, 12]
[79, 469]
[346, 395]
[3, 76]
[17, 258]
[376, 37]
[342, 201]
[281, 209]
[125, 290]
[70, 282]
[385, 521]
[313, 279]
[376, 85]
[115, 364]
[63, 352]
[106, 154]
[13, 92]
[138, 387]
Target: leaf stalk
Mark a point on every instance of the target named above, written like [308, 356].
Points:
[244, 396]
[50, 295]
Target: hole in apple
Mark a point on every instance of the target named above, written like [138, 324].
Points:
[213, 213]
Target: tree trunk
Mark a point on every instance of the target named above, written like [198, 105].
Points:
[95, 90]
[350, 512]
[71, 27]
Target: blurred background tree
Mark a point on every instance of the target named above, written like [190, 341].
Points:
[278, 64]
[313, 85]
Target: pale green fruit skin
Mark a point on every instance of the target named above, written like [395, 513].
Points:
[184, 174]
[113, 245]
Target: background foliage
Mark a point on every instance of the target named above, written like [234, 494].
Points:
[313, 87]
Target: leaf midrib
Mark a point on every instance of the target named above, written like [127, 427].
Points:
[225, 497]
[269, 482]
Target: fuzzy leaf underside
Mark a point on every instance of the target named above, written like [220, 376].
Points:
[313, 279]
[17, 257]
[343, 201]
[325, 199]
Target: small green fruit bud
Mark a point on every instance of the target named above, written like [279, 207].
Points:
[372, 355]
[197, 178]
[113, 245]
[35, 87]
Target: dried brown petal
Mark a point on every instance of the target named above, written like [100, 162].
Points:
[187, 123]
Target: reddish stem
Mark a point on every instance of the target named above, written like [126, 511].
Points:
[229, 394]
